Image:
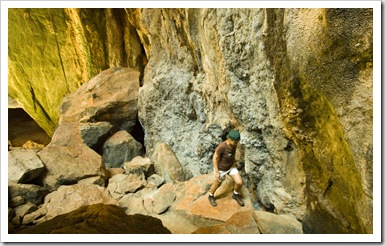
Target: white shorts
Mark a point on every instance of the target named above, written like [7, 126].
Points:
[222, 174]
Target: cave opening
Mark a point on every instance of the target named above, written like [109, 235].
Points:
[22, 127]
[138, 133]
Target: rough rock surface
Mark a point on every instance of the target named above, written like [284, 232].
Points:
[94, 134]
[120, 184]
[22, 193]
[119, 148]
[68, 164]
[110, 96]
[269, 223]
[297, 83]
[192, 201]
[166, 164]
[155, 180]
[98, 219]
[113, 171]
[71, 197]
[21, 211]
[269, 73]
[133, 204]
[23, 166]
[140, 166]
[239, 223]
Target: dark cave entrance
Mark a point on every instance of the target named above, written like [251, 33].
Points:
[138, 133]
[21, 128]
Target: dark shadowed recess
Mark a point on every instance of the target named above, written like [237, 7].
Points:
[21, 128]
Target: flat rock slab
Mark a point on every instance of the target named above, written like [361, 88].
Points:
[239, 223]
[193, 201]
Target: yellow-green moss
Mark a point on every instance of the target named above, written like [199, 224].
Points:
[332, 177]
[51, 52]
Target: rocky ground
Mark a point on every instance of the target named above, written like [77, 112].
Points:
[93, 168]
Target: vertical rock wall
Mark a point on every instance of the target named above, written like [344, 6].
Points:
[297, 83]
[209, 73]
[323, 63]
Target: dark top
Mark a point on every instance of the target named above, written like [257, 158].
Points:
[227, 156]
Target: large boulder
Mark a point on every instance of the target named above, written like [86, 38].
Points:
[110, 96]
[269, 223]
[67, 165]
[71, 197]
[119, 148]
[67, 159]
[98, 219]
[166, 164]
[23, 166]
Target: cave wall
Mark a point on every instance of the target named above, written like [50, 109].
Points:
[325, 68]
[297, 83]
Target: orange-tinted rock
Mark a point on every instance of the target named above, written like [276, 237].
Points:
[239, 223]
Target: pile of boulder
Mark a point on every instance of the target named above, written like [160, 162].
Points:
[93, 158]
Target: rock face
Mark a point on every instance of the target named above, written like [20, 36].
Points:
[297, 83]
[262, 71]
